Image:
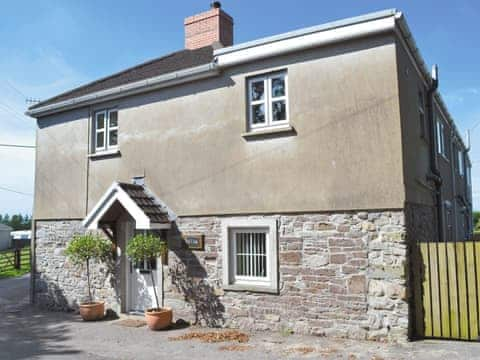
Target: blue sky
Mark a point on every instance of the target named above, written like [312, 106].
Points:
[50, 46]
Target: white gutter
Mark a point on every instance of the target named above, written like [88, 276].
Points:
[306, 39]
[154, 83]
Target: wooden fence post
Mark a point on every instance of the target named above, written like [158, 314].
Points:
[16, 259]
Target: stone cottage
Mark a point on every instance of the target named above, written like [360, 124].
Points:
[292, 176]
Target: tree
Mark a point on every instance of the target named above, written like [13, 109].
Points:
[476, 220]
[83, 249]
[17, 221]
[147, 247]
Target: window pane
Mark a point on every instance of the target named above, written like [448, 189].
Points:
[113, 139]
[113, 120]
[100, 121]
[420, 100]
[258, 114]
[278, 86]
[279, 111]
[251, 254]
[423, 131]
[100, 140]
[257, 90]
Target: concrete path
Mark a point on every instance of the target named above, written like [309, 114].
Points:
[28, 333]
[14, 291]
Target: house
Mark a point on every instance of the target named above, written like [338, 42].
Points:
[292, 176]
[5, 240]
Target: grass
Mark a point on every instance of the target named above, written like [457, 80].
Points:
[6, 263]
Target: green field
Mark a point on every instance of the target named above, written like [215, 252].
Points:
[6, 263]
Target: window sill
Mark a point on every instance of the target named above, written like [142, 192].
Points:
[104, 154]
[250, 288]
[270, 132]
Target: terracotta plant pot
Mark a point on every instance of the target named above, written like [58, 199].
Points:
[92, 311]
[158, 319]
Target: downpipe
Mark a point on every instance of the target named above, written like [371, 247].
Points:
[434, 174]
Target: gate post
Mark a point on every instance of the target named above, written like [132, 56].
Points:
[16, 259]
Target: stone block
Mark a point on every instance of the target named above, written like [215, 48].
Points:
[291, 257]
[357, 284]
[338, 258]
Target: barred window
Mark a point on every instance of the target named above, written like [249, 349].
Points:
[250, 254]
[250, 258]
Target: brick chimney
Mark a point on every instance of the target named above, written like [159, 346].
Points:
[213, 27]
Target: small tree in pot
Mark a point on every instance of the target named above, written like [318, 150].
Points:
[147, 247]
[82, 250]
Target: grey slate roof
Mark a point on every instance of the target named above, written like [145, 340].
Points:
[173, 62]
[4, 227]
[146, 201]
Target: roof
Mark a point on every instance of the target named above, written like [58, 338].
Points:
[308, 30]
[147, 202]
[188, 65]
[148, 212]
[4, 227]
[21, 234]
[183, 59]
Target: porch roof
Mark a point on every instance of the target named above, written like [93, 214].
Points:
[137, 200]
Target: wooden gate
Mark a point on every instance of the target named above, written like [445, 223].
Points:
[450, 283]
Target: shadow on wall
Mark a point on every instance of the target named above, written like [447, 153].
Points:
[55, 295]
[190, 279]
[28, 333]
[420, 222]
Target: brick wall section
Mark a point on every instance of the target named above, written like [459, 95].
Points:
[59, 284]
[207, 28]
[341, 275]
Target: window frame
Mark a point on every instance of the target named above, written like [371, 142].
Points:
[231, 281]
[421, 114]
[248, 280]
[441, 141]
[107, 129]
[468, 171]
[267, 101]
[460, 162]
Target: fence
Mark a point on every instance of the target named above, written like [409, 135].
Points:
[14, 259]
[451, 284]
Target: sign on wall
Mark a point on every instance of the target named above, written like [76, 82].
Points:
[194, 241]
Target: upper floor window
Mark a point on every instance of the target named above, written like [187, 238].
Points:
[469, 176]
[461, 163]
[105, 130]
[441, 142]
[421, 114]
[268, 101]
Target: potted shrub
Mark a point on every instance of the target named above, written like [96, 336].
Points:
[82, 250]
[147, 247]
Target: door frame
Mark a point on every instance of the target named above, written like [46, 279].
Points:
[128, 233]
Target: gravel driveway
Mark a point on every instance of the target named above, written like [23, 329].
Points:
[27, 333]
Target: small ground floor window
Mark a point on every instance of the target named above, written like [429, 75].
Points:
[250, 255]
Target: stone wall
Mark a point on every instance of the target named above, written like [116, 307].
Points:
[59, 284]
[341, 275]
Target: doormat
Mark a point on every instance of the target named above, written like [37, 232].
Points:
[131, 323]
